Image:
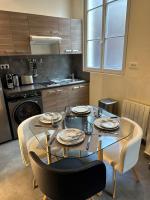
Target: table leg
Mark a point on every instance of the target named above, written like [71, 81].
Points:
[79, 153]
[48, 149]
[100, 157]
[100, 151]
[65, 152]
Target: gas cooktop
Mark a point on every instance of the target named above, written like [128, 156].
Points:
[48, 84]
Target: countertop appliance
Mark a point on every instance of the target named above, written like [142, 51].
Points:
[5, 133]
[45, 44]
[16, 80]
[9, 81]
[22, 106]
[26, 79]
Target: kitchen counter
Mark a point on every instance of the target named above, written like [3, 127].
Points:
[38, 86]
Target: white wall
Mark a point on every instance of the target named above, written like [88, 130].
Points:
[59, 8]
[77, 9]
[134, 84]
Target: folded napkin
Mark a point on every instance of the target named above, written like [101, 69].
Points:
[50, 116]
[80, 109]
[70, 134]
[108, 123]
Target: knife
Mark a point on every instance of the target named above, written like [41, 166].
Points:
[40, 126]
[88, 143]
[46, 126]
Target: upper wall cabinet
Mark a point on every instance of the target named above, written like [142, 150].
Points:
[43, 25]
[6, 41]
[64, 33]
[71, 32]
[76, 35]
[20, 33]
[16, 28]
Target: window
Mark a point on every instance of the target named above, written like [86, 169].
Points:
[105, 34]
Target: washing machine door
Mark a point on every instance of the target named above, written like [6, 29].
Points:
[25, 110]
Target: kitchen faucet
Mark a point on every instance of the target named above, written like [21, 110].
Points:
[72, 76]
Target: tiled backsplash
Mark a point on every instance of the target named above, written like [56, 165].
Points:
[52, 66]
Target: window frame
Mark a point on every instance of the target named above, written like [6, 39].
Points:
[101, 69]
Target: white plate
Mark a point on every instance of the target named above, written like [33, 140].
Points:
[106, 123]
[47, 118]
[81, 109]
[70, 136]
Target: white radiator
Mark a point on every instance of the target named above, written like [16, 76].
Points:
[137, 112]
[147, 149]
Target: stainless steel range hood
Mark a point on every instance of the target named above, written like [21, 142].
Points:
[45, 44]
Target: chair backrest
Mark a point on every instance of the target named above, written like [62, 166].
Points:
[24, 134]
[65, 184]
[137, 112]
[130, 151]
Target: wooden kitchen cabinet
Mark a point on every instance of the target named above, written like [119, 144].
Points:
[16, 28]
[43, 25]
[57, 99]
[49, 100]
[79, 95]
[62, 98]
[71, 32]
[20, 33]
[76, 36]
[6, 41]
[64, 33]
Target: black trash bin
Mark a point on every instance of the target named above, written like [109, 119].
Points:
[111, 105]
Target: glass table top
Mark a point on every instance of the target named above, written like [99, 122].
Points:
[45, 135]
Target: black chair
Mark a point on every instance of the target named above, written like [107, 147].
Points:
[69, 178]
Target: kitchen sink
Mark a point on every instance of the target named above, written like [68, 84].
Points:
[66, 80]
[60, 82]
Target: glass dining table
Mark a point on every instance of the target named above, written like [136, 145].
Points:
[95, 141]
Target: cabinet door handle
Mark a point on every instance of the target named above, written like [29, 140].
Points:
[76, 87]
[68, 50]
[75, 50]
[59, 91]
[82, 86]
[51, 92]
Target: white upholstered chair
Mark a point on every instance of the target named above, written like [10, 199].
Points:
[137, 112]
[28, 142]
[123, 155]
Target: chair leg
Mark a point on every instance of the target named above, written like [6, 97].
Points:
[113, 193]
[100, 194]
[135, 174]
[34, 184]
[45, 197]
[114, 183]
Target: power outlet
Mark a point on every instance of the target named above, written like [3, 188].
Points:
[133, 65]
[4, 66]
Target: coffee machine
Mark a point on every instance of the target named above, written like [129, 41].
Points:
[9, 81]
[12, 80]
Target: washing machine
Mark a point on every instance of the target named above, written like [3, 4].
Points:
[22, 106]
